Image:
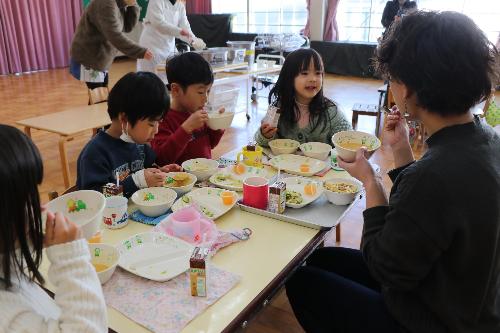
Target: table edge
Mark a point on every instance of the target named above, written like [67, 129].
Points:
[254, 306]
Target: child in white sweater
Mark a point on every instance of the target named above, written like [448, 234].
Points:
[24, 306]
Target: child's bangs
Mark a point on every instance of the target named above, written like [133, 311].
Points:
[318, 64]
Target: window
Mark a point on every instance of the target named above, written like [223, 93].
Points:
[359, 20]
[264, 16]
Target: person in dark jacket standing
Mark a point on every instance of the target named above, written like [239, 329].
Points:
[395, 10]
[99, 34]
[430, 255]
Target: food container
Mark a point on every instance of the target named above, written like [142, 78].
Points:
[154, 201]
[317, 150]
[283, 146]
[111, 189]
[180, 182]
[202, 168]
[339, 197]
[104, 258]
[277, 198]
[272, 116]
[220, 54]
[348, 142]
[198, 272]
[235, 55]
[249, 47]
[84, 207]
[220, 121]
[207, 55]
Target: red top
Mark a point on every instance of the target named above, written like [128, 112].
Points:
[173, 144]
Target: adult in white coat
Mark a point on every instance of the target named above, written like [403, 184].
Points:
[165, 20]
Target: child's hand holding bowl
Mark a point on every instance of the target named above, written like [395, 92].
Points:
[59, 230]
[154, 177]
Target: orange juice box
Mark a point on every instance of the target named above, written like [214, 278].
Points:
[198, 271]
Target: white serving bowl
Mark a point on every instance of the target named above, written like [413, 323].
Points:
[83, 207]
[202, 168]
[348, 154]
[283, 146]
[341, 199]
[317, 150]
[180, 190]
[162, 201]
[218, 121]
[104, 254]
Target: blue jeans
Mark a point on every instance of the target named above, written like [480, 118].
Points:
[74, 70]
[335, 293]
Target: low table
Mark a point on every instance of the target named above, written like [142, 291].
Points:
[264, 262]
[68, 124]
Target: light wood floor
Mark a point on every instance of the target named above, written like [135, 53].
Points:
[51, 91]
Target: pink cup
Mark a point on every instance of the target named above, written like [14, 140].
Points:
[185, 224]
[256, 192]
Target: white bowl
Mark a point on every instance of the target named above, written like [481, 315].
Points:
[180, 190]
[217, 121]
[202, 168]
[83, 207]
[161, 200]
[283, 146]
[104, 254]
[317, 150]
[342, 198]
[348, 154]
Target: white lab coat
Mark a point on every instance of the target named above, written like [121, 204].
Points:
[162, 24]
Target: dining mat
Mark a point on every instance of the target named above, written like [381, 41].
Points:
[164, 307]
[138, 216]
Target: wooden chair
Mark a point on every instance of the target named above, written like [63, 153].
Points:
[98, 95]
[370, 110]
[53, 194]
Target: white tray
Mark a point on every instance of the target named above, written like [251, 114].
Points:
[320, 214]
[154, 256]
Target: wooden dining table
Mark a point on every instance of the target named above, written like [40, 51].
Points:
[68, 124]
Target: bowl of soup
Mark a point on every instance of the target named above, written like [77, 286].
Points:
[342, 191]
[154, 201]
[104, 258]
[180, 182]
[348, 142]
[202, 168]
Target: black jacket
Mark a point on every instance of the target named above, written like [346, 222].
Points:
[436, 248]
